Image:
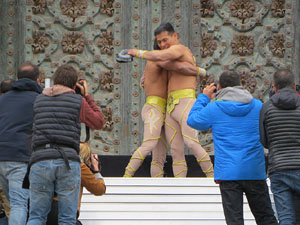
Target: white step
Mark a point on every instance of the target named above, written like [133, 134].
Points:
[159, 201]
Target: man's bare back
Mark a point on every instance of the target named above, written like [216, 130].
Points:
[155, 83]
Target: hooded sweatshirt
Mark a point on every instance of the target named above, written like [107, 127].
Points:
[233, 117]
[280, 130]
[16, 117]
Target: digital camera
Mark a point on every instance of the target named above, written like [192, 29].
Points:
[77, 89]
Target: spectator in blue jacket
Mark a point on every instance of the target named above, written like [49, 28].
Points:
[233, 116]
[16, 117]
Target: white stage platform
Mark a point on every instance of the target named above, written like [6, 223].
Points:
[157, 201]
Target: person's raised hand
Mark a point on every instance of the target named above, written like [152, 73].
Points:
[133, 52]
[83, 88]
[209, 90]
[95, 162]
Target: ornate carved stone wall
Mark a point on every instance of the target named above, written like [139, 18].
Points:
[254, 37]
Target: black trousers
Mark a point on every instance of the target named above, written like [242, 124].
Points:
[257, 194]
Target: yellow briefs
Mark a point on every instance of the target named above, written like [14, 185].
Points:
[175, 96]
[155, 100]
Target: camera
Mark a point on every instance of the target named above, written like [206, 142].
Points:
[77, 89]
[215, 91]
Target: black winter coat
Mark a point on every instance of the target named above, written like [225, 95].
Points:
[16, 118]
[280, 130]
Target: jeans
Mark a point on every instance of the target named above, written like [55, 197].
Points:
[47, 177]
[284, 185]
[257, 194]
[3, 221]
[11, 179]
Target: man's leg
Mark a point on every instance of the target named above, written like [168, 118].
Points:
[67, 189]
[159, 156]
[232, 201]
[41, 177]
[282, 189]
[190, 135]
[11, 178]
[258, 197]
[175, 141]
[153, 121]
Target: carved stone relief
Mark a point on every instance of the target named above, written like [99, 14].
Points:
[240, 35]
[73, 8]
[242, 44]
[40, 42]
[242, 9]
[208, 45]
[207, 8]
[73, 42]
[277, 45]
[107, 7]
[278, 8]
[79, 32]
[252, 37]
[39, 6]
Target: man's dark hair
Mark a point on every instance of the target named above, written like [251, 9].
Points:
[164, 27]
[229, 79]
[66, 75]
[284, 78]
[5, 85]
[155, 45]
[28, 70]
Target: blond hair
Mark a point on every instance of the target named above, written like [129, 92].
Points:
[85, 152]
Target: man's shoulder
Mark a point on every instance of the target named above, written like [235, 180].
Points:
[179, 47]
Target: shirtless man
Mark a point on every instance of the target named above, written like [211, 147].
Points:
[181, 97]
[153, 114]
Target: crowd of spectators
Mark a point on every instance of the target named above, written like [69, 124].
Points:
[40, 145]
[43, 164]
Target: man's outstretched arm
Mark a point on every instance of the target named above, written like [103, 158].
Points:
[172, 53]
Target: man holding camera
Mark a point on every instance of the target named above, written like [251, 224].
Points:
[239, 167]
[55, 163]
[280, 132]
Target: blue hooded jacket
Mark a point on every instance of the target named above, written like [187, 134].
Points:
[16, 117]
[239, 154]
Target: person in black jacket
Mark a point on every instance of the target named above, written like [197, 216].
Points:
[280, 133]
[55, 162]
[16, 117]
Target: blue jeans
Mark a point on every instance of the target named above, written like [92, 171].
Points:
[284, 185]
[257, 194]
[11, 179]
[47, 177]
[3, 221]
